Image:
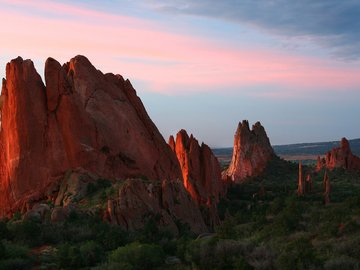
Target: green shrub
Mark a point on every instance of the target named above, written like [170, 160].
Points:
[139, 256]
[16, 264]
[91, 253]
[69, 256]
[26, 232]
[298, 254]
[343, 263]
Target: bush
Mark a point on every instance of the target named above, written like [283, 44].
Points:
[298, 254]
[16, 264]
[69, 256]
[26, 232]
[139, 256]
[110, 236]
[91, 253]
[343, 263]
[218, 254]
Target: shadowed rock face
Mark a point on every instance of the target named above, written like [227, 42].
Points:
[81, 118]
[252, 152]
[340, 157]
[200, 168]
[168, 201]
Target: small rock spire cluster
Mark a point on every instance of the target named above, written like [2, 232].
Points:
[339, 157]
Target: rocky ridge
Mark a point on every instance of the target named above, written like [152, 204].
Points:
[92, 125]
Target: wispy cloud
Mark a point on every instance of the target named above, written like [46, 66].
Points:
[166, 61]
[333, 24]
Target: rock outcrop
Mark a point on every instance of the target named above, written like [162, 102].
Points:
[166, 202]
[82, 118]
[200, 168]
[339, 157]
[327, 188]
[301, 182]
[308, 184]
[252, 152]
[305, 184]
[201, 173]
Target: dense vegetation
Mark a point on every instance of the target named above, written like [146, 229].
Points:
[265, 226]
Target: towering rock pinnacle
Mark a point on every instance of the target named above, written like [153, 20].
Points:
[252, 152]
[308, 184]
[81, 118]
[201, 173]
[320, 163]
[327, 188]
[200, 168]
[301, 184]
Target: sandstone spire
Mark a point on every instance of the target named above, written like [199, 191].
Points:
[200, 168]
[301, 184]
[327, 188]
[251, 154]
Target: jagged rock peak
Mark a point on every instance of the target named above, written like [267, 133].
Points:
[201, 172]
[82, 118]
[200, 168]
[252, 151]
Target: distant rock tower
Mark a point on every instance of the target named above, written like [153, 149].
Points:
[308, 184]
[252, 152]
[327, 188]
[301, 184]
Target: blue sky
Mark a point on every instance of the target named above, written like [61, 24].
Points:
[206, 65]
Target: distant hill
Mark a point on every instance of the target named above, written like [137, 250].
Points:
[319, 148]
[299, 151]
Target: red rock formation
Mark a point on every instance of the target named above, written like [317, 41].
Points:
[320, 163]
[81, 118]
[167, 202]
[252, 152]
[308, 184]
[342, 157]
[301, 183]
[327, 188]
[200, 168]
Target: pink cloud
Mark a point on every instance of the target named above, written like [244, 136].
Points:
[166, 61]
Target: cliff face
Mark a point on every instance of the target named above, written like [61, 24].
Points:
[168, 202]
[340, 157]
[200, 168]
[251, 154]
[201, 173]
[81, 118]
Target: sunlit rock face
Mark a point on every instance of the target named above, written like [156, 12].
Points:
[339, 157]
[251, 154]
[201, 173]
[81, 118]
[200, 168]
